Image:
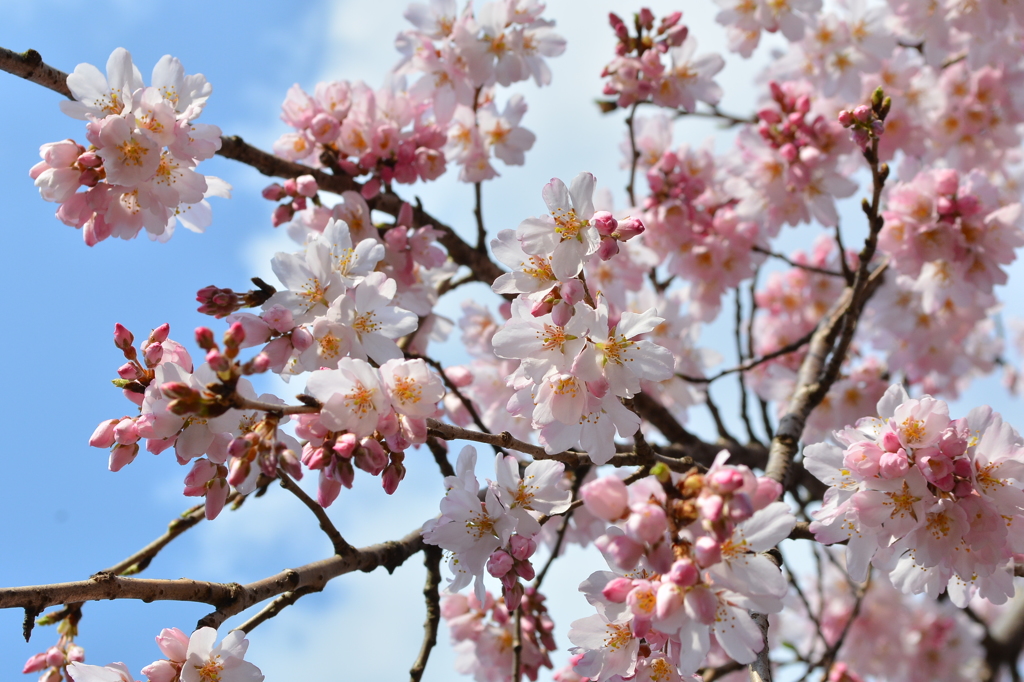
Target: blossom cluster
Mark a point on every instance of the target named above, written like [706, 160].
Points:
[576, 360]
[934, 502]
[403, 133]
[334, 318]
[891, 636]
[496, 533]
[638, 74]
[483, 633]
[188, 659]
[687, 562]
[144, 145]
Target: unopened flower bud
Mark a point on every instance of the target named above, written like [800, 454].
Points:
[605, 223]
[123, 338]
[103, 436]
[218, 361]
[725, 480]
[235, 335]
[683, 573]
[561, 314]
[646, 18]
[708, 551]
[499, 563]
[274, 192]
[862, 113]
[160, 671]
[460, 375]
[607, 249]
[290, 187]
[301, 339]
[572, 292]
[629, 228]
[393, 474]
[126, 432]
[617, 589]
[281, 215]
[122, 455]
[153, 354]
[845, 118]
[513, 596]
[606, 497]
[522, 547]
[75, 653]
[128, 371]
[54, 657]
[204, 338]
[621, 550]
[669, 600]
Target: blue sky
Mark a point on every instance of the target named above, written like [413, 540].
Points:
[65, 515]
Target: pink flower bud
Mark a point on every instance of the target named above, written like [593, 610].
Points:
[862, 113]
[513, 596]
[629, 228]
[126, 432]
[522, 547]
[103, 436]
[35, 663]
[561, 314]
[711, 507]
[606, 498]
[605, 223]
[89, 159]
[607, 249]
[767, 492]
[669, 600]
[621, 550]
[572, 292]
[153, 354]
[708, 551]
[260, 364]
[160, 334]
[176, 390]
[289, 187]
[893, 464]
[789, 152]
[160, 671]
[947, 181]
[890, 441]
[646, 18]
[301, 339]
[499, 563]
[460, 375]
[725, 480]
[235, 335]
[371, 457]
[525, 570]
[315, 458]
[54, 657]
[306, 185]
[123, 338]
[962, 467]
[75, 653]
[204, 338]
[345, 444]
[646, 522]
[683, 573]
[617, 589]
[676, 35]
[122, 455]
[324, 128]
[278, 318]
[701, 605]
[239, 471]
[393, 474]
[216, 496]
[540, 308]
[281, 215]
[274, 192]
[128, 371]
[968, 205]
[845, 118]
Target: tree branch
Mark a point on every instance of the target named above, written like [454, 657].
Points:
[229, 598]
[326, 525]
[432, 560]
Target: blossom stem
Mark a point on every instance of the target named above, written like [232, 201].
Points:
[341, 547]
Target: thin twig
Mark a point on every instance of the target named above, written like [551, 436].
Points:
[802, 266]
[785, 350]
[326, 525]
[517, 646]
[273, 608]
[634, 155]
[580, 474]
[744, 411]
[432, 560]
[723, 433]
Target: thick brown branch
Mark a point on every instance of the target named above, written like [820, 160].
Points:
[229, 598]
